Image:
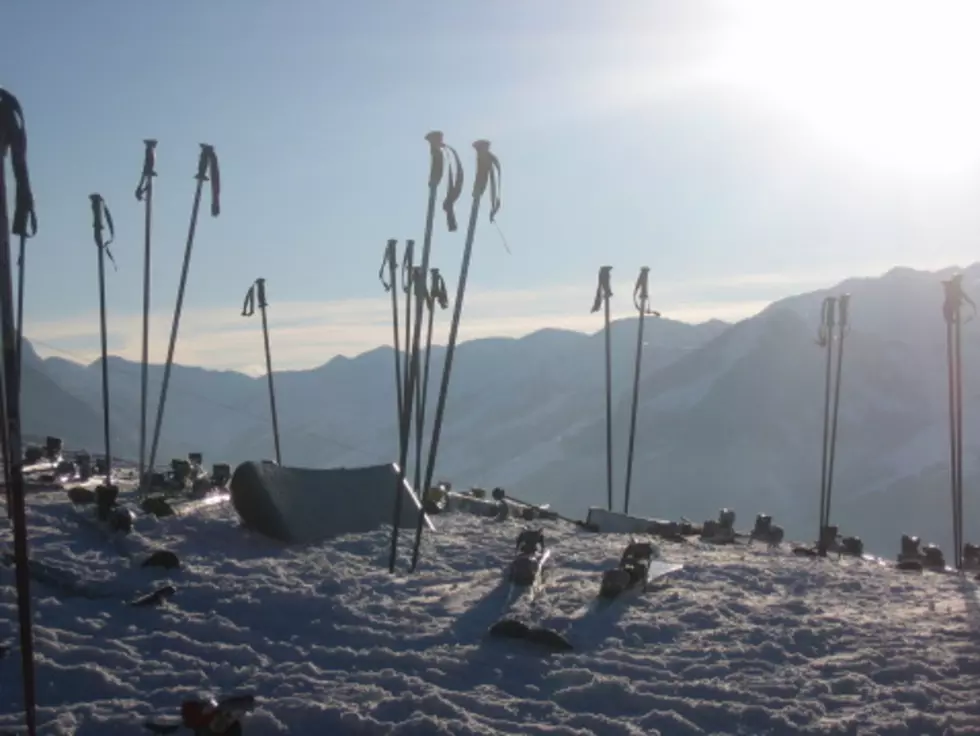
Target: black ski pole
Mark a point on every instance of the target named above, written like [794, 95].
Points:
[390, 264]
[408, 286]
[843, 301]
[438, 150]
[953, 314]
[825, 339]
[487, 172]
[100, 218]
[436, 295]
[602, 294]
[207, 164]
[13, 136]
[641, 300]
[257, 292]
[144, 193]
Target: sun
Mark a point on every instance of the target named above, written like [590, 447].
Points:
[893, 85]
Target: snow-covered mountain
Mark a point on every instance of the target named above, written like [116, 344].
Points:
[729, 415]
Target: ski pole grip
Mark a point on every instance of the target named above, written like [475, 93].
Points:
[484, 163]
[208, 163]
[260, 285]
[843, 301]
[437, 166]
[97, 225]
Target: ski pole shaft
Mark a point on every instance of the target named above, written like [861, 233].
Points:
[207, 165]
[641, 299]
[390, 262]
[260, 285]
[101, 217]
[602, 296]
[826, 341]
[144, 193]
[843, 303]
[13, 137]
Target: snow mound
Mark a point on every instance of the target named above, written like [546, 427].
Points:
[741, 641]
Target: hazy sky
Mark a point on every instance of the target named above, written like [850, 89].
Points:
[743, 151]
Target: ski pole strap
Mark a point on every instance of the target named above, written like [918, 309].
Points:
[149, 166]
[13, 133]
[100, 209]
[454, 186]
[955, 296]
[248, 307]
[208, 164]
[603, 291]
[487, 171]
[408, 265]
[825, 333]
[437, 290]
[641, 293]
[388, 263]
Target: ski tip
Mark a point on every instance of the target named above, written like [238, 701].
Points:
[155, 598]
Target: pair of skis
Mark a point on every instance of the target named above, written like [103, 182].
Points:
[834, 312]
[411, 379]
[641, 302]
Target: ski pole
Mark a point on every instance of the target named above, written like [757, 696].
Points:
[641, 300]
[100, 218]
[952, 313]
[825, 339]
[144, 193]
[257, 291]
[390, 262]
[207, 164]
[407, 285]
[843, 302]
[438, 151]
[487, 172]
[13, 137]
[602, 294]
[436, 294]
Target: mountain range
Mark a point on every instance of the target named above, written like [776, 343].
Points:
[729, 414]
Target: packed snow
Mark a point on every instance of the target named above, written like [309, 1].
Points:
[743, 640]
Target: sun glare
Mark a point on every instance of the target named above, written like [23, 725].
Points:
[892, 85]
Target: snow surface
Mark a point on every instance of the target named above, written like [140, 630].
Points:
[741, 641]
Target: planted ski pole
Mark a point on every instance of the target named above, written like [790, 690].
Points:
[207, 165]
[257, 292]
[953, 315]
[438, 151]
[408, 286]
[101, 217]
[641, 300]
[13, 137]
[390, 263]
[602, 294]
[487, 173]
[144, 193]
[825, 339]
[843, 302]
[434, 294]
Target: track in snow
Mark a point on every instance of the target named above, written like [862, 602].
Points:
[740, 641]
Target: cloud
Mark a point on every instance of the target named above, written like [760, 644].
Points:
[307, 334]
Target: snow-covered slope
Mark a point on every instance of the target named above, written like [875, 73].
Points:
[741, 641]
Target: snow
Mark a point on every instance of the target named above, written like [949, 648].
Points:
[740, 641]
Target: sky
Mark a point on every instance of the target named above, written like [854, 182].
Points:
[742, 151]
